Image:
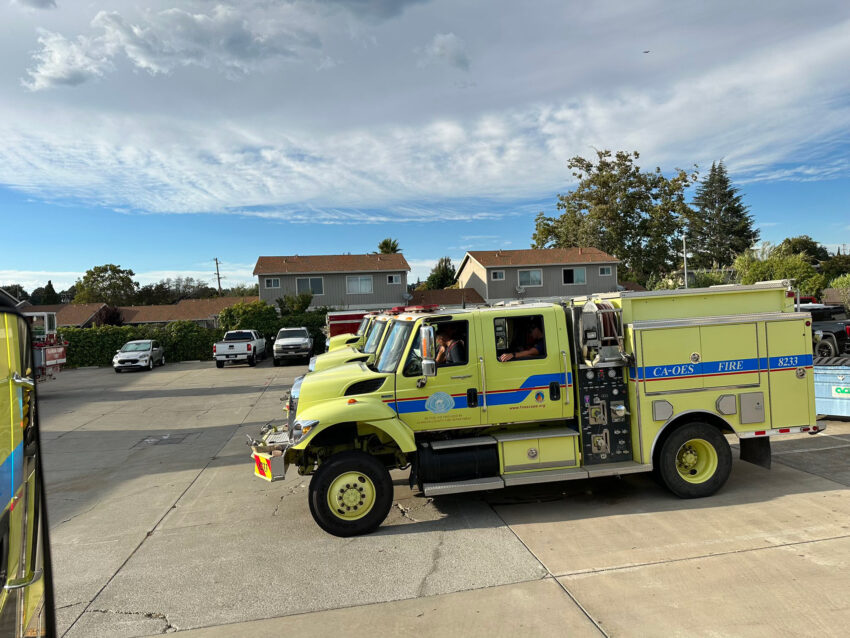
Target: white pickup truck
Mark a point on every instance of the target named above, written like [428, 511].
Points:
[240, 346]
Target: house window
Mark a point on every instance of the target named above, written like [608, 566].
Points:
[531, 278]
[272, 283]
[393, 279]
[359, 285]
[574, 276]
[313, 285]
[497, 275]
[605, 271]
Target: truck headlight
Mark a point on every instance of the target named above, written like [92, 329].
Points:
[312, 366]
[300, 429]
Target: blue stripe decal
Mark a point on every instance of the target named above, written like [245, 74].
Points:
[510, 397]
[11, 474]
[719, 368]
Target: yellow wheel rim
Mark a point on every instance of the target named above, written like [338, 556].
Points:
[696, 461]
[351, 496]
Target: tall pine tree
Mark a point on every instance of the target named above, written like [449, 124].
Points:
[722, 226]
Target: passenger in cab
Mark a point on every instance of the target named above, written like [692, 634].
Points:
[535, 344]
[450, 349]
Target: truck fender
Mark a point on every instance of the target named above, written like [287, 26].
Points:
[685, 417]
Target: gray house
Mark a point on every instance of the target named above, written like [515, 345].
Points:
[339, 281]
[503, 275]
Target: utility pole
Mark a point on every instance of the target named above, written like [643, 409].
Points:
[685, 253]
[217, 275]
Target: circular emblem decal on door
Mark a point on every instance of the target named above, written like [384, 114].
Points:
[539, 397]
[439, 403]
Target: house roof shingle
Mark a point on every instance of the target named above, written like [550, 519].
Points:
[295, 264]
[446, 297]
[540, 257]
[68, 314]
[183, 310]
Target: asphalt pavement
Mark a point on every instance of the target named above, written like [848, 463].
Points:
[158, 525]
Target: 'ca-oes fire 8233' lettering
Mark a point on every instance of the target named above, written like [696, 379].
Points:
[788, 362]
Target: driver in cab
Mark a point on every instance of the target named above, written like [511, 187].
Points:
[535, 344]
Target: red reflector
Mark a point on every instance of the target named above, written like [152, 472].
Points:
[784, 430]
[249, 347]
[350, 401]
[808, 323]
[259, 466]
[760, 433]
[804, 429]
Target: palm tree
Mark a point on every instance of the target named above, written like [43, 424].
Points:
[388, 246]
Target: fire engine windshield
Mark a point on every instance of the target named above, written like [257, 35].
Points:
[374, 337]
[394, 346]
[362, 327]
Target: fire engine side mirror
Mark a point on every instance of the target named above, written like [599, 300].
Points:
[429, 351]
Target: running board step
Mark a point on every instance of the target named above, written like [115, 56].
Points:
[456, 487]
[574, 473]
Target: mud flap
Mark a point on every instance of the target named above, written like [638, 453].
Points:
[756, 451]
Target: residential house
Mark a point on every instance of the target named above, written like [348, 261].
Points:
[338, 281]
[71, 315]
[505, 275]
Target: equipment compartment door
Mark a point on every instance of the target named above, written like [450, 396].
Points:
[730, 355]
[669, 360]
[789, 347]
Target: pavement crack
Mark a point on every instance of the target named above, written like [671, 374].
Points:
[152, 615]
[435, 559]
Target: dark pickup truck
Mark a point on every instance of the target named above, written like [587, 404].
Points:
[830, 329]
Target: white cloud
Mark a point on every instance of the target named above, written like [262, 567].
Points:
[447, 48]
[32, 279]
[161, 42]
[38, 4]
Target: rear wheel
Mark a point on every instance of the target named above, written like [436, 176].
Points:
[219, 364]
[350, 494]
[695, 461]
[252, 361]
[162, 360]
[825, 348]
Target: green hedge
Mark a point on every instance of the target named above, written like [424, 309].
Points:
[182, 340]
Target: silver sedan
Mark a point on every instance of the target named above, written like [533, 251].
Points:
[140, 354]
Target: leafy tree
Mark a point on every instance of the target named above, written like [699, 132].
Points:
[67, 295]
[388, 246]
[780, 265]
[108, 316]
[17, 291]
[442, 275]
[242, 290]
[835, 266]
[804, 244]
[257, 315]
[50, 296]
[109, 284]
[842, 285]
[294, 304]
[155, 294]
[721, 227]
[626, 212]
[36, 296]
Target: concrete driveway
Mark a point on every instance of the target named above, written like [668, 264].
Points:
[158, 525]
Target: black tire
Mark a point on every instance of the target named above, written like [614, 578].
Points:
[825, 348]
[162, 360]
[669, 468]
[276, 362]
[150, 364]
[117, 371]
[330, 470]
[252, 361]
[219, 364]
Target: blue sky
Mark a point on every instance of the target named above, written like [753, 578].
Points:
[159, 137]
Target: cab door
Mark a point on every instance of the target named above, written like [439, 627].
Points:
[452, 398]
[528, 389]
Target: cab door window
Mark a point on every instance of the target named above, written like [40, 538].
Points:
[519, 337]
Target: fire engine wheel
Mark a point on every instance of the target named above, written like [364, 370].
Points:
[695, 461]
[350, 494]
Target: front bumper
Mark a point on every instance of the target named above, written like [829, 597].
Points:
[282, 354]
[133, 364]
